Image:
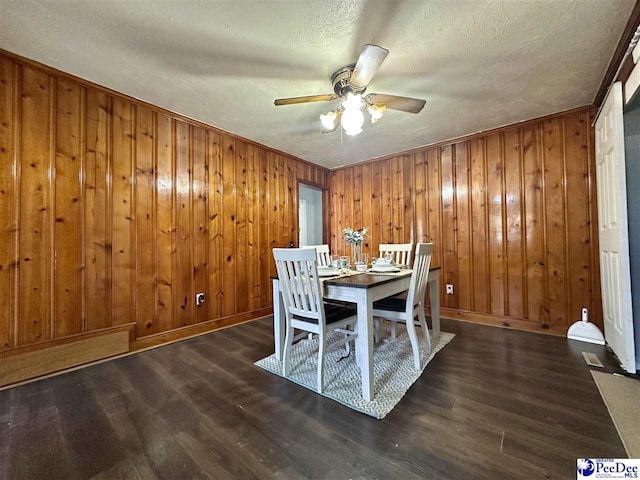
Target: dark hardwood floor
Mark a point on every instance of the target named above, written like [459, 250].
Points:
[494, 404]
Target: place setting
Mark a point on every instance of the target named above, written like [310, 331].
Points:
[386, 265]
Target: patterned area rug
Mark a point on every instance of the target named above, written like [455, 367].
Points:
[392, 370]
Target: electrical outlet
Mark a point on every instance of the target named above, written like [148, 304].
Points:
[449, 289]
[199, 299]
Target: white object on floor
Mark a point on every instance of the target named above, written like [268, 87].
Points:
[592, 359]
[585, 331]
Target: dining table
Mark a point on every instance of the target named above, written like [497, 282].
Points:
[362, 289]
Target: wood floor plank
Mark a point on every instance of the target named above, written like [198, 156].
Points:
[238, 403]
[86, 430]
[37, 447]
[125, 470]
[146, 433]
[493, 404]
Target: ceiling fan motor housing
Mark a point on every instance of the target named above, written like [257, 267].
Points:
[341, 81]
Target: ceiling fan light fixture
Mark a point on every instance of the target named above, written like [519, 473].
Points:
[376, 112]
[349, 84]
[352, 102]
[352, 121]
[352, 118]
[329, 120]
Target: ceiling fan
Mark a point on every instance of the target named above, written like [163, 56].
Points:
[349, 84]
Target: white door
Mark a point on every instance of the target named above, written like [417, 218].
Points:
[614, 236]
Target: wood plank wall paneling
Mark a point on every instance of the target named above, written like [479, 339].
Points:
[113, 211]
[36, 255]
[9, 184]
[97, 212]
[510, 213]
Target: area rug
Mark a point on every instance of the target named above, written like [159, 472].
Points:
[393, 370]
[621, 395]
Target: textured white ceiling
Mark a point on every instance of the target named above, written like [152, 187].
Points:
[479, 64]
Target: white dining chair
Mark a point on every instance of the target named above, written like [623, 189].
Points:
[305, 309]
[322, 254]
[400, 252]
[410, 307]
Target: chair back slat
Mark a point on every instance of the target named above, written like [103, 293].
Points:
[298, 278]
[418, 283]
[288, 288]
[322, 254]
[299, 282]
[401, 252]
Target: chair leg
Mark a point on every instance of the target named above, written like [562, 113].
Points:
[286, 356]
[425, 329]
[376, 329]
[393, 330]
[411, 330]
[321, 341]
[347, 345]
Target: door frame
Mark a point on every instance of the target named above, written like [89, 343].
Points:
[325, 206]
[302, 221]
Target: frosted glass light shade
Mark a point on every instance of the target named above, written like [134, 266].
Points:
[352, 121]
[328, 120]
[376, 112]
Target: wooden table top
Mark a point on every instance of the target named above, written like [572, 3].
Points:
[365, 280]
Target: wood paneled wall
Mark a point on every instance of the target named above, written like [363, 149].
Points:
[511, 214]
[115, 212]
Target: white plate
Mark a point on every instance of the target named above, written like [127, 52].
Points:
[384, 269]
[327, 272]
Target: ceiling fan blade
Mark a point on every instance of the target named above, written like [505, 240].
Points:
[309, 98]
[336, 124]
[404, 104]
[368, 63]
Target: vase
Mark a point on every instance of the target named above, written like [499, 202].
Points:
[356, 253]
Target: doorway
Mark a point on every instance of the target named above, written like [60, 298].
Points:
[310, 215]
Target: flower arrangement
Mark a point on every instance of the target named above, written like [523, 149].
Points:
[354, 237]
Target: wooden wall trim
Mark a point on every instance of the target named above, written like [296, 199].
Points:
[618, 54]
[23, 349]
[35, 363]
[158, 339]
[136, 101]
[498, 321]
